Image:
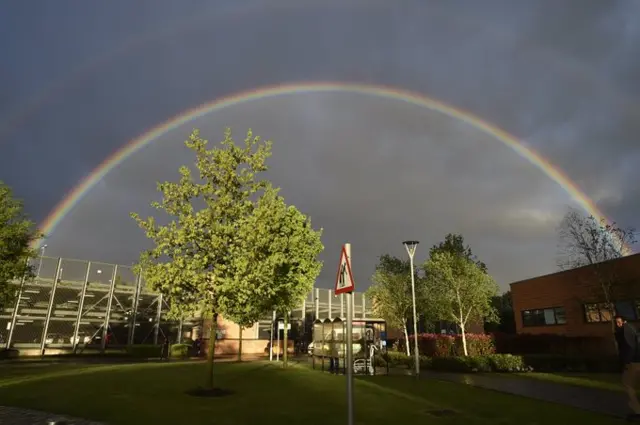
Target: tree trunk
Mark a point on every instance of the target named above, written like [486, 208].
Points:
[240, 328]
[212, 350]
[464, 340]
[406, 339]
[286, 340]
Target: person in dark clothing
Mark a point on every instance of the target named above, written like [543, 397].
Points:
[164, 355]
[626, 339]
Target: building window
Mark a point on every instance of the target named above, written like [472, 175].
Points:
[544, 317]
[627, 309]
[264, 329]
[597, 313]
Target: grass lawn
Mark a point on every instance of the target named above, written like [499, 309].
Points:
[264, 393]
[604, 381]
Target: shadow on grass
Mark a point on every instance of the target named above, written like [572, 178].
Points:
[68, 371]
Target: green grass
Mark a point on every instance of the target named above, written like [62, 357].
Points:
[264, 393]
[603, 381]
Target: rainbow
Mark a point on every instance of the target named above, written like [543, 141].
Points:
[63, 208]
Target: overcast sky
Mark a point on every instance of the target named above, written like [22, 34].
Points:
[80, 79]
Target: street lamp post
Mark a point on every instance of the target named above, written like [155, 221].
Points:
[411, 250]
[41, 255]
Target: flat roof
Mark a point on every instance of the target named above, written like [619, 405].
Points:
[635, 256]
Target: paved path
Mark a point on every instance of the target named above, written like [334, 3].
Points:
[592, 399]
[17, 416]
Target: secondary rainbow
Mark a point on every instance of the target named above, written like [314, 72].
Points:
[63, 208]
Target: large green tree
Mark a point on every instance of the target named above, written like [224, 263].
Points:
[462, 290]
[17, 233]
[217, 252]
[392, 297]
[454, 243]
[283, 260]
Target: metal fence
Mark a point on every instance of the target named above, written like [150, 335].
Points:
[75, 305]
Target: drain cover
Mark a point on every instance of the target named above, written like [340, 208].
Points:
[441, 412]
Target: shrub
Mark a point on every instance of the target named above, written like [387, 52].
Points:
[425, 362]
[180, 351]
[396, 359]
[379, 360]
[144, 351]
[461, 364]
[507, 363]
[440, 345]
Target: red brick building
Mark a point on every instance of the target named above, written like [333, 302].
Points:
[571, 302]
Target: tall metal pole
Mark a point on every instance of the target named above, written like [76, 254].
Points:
[278, 352]
[411, 250]
[134, 308]
[83, 295]
[156, 331]
[40, 263]
[14, 314]
[107, 316]
[349, 341]
[317, 303]
[304, 321]
[273, 320]
[47, 319]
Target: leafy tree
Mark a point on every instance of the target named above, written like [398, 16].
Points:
[17, 233]
[587, 241]
[461, 289]
[206, 258]
[504, 306]
[391, 294]
[285, 252]
[454, 243]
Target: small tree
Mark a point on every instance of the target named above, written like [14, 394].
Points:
[462, 290]
[16, 235]
[391, 294]
[504, 306]
[198, 262]
[588, 241]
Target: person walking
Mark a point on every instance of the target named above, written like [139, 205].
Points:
[164, 353]
[627, 341]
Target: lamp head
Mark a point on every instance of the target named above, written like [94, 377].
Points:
[411, 247]
[410, 244]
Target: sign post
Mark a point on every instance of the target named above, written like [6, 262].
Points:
[278, 352]
[273, 323]
[345, 285]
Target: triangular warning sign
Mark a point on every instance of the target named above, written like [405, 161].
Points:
[344, 280]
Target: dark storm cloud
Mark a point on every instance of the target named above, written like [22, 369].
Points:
[563, 76]
[355, 177]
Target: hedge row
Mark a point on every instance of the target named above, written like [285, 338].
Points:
[502, 363]
[437, 345]
[179, 351]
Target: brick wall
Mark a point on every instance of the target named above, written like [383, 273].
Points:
[230, 342]
[571, 290]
